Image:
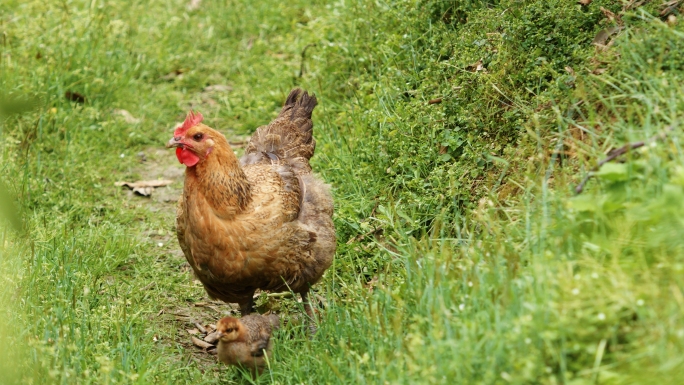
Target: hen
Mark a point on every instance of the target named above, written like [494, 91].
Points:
[246, 341]
[263, 222]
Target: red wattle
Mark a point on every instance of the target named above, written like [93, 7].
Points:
[186, 157]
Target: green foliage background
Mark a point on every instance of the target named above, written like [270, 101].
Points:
[464, 255]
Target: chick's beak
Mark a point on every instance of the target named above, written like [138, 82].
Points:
[175, 142]
[219, 334]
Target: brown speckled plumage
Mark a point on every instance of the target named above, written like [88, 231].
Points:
[263, 222]
[246, 341]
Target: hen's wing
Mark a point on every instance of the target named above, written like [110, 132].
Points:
[260, 329]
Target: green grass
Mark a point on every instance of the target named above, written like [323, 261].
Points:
[464, 256]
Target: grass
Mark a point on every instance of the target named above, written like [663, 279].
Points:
[464, 256]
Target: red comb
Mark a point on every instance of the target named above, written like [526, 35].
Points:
[191, 120]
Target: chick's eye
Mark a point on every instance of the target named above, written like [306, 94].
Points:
[198, 137]
[229, 330]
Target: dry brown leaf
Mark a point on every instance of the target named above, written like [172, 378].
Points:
[569, 70]
[435, 101]
[611, 16]
[128, 117]
[475, 67]
[584, 2]
[201, 328]
[201, 344]
[192, 331]
[669, 8]
[599, 71]
[211, 338]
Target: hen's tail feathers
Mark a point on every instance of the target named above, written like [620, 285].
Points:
[288, 138]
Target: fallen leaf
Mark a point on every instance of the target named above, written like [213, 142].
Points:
[435, 101]
[201, 344]
[611, 16]
[670, 7]
[475, 67]
[144, 187]
[443, 150]
[584, 2]
[570, 70]
[192, 331]
[211, 337]
[128, 118]
[599, 71]
[201, 328]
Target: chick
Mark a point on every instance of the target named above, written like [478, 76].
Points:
[246, 341]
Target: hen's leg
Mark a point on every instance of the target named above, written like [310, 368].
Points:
[309, 312]
[246, 307]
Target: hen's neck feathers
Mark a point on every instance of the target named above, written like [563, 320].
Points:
[221, 180]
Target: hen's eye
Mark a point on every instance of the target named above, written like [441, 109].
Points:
[198, 137]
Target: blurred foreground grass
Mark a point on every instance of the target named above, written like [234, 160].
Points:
[453, 133]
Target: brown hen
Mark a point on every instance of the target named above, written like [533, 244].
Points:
[246, 341]
[263, 222]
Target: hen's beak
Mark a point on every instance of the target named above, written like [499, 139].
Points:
[175, 142]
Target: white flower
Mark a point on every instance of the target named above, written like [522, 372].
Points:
[601, 316]
[640, 302]
[160, 244]
[575, 291]
[461, 306]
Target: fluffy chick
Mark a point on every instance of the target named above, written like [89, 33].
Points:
[246, 341]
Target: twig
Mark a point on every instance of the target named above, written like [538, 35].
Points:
[211, 338]
[200, 328]
[301, 68]
[201, 344]
[618, 152]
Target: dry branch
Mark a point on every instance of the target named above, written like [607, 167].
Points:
[618, 152]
